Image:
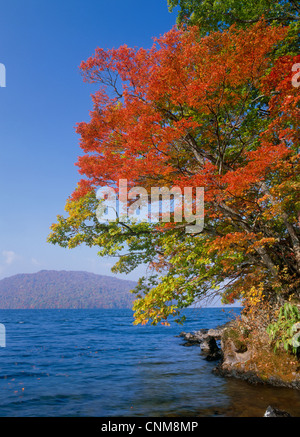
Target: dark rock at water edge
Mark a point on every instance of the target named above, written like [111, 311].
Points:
[207, 340]
[210, 349]
[275, 412]
[200, 336]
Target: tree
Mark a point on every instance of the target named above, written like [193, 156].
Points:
[212, 15]
[218, 112]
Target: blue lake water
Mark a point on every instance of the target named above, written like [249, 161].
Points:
[95, 363]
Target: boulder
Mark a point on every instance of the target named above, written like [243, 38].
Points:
[195, 338]
[210, 348]
[233, 354]
[216, 333]
[275, 412]
[206, 338]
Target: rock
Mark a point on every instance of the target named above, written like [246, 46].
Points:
[208, 345]
[210, 348]
[206, 338]
[239, 360]
[182, 334]
[214, 357]
[216, 333]
[233, 354]
[275, 412]
[201, 333]
[190, 339]
[193, 339]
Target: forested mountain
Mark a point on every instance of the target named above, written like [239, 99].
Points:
[65, 289]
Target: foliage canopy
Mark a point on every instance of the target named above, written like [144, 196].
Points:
[216, 111]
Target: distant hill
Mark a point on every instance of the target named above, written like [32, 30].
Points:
[65, 289]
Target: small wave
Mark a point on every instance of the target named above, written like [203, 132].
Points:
[22, 374]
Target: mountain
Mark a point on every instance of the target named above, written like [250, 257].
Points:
[65, 289]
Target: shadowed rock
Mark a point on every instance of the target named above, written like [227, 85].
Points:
[275, 412]
[210, 349]
[206, 338]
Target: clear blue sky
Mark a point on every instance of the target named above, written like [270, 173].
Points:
[42, 44]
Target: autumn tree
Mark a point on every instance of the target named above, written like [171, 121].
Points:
[219, 112]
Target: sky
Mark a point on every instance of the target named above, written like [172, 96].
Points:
[41, 46]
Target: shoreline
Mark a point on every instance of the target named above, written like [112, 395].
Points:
[233, 360]
[231, 363]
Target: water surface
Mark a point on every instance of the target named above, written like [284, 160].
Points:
[96, 363]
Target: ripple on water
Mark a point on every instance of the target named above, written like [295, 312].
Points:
[96, 363]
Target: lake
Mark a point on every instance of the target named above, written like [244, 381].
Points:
[95, 363]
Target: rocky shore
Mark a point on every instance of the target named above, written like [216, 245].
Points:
[237, 357]
[208, 340]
